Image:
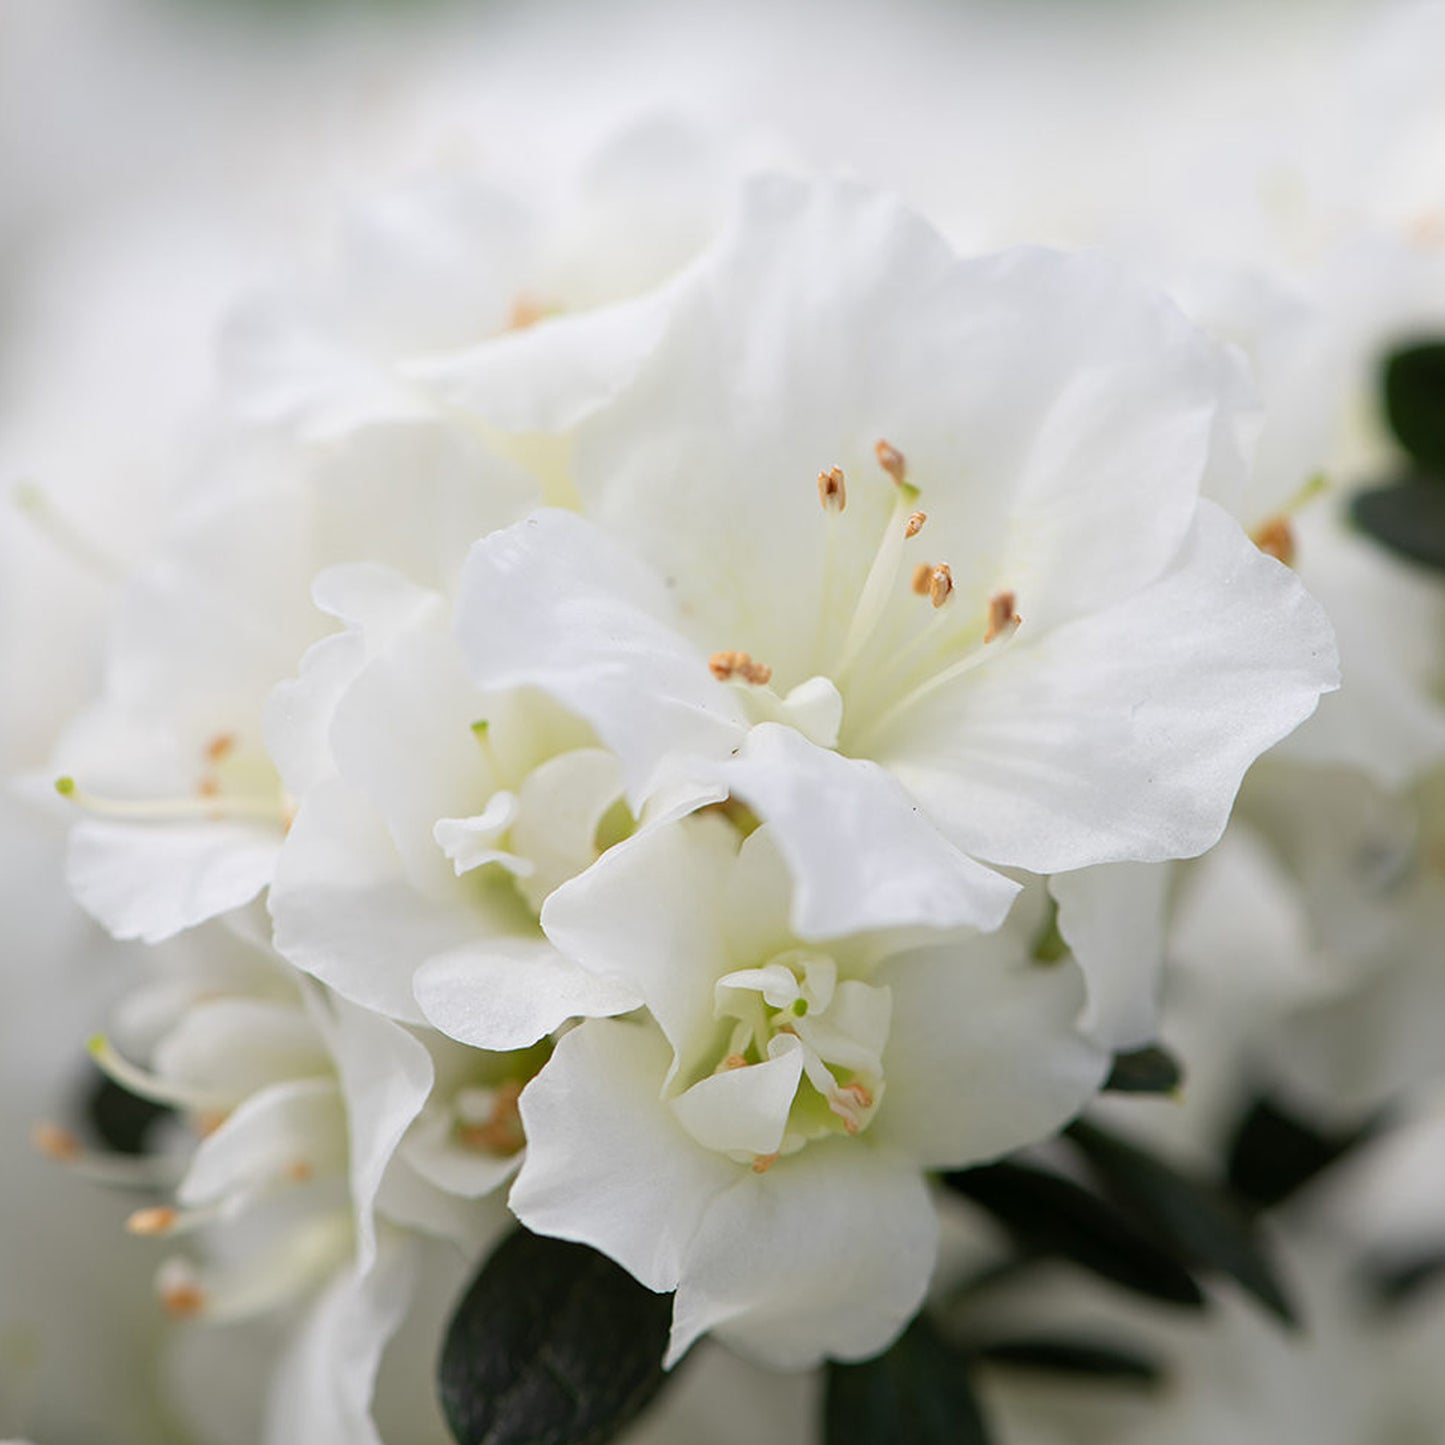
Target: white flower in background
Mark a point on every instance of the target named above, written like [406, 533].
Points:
[761, 1147]
[432, 820]
[1002, 626]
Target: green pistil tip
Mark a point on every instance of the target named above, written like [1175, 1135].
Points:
[96, 1045]
[65, 786]
[800, 1006]
[480, 727]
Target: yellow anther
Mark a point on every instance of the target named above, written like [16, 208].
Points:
[501, 1132]
[922, 578]
[526, 311]
[940, 585]
[159, 1220]
[183, 1300]
[55, 1142]
[1001, 616]
[1275, 538]
[891, 460]
[763, 1162]
[220, 747]
[832, 492]
[735, 1061]
[299, 1171]
[915, 523]
[727, 665]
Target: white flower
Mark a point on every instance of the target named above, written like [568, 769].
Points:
[761, 1147]
[1096, 655]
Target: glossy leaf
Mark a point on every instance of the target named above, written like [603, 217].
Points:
[553, 1344]
[1407, 517]
[1152, 1070]
[917, 1392]
[1187, 1216]
[1049, 1214]
[1415, 403]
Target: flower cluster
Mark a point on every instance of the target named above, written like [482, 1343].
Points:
[686, 747]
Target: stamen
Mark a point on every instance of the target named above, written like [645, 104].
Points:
[832, 492]
[915, 523]
[891, 460]
[220, 747]
[299, 1171]
[526, 311]
[180, 1292]
[940, 585]
[735, 1061]
[55, 1142]
[501, 1132]
[46, 517]
[922, 578]
[1275, 538]
[727, 665]
[150, 1086]
[160, 1219]
[1001, 616]
[849, 1103]
[763, 1162]
[207, 805]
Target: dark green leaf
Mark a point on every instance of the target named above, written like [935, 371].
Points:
[1187, 1216]
[1408, 517]
[1055, 1355]
[122, 1120]
[1145, 1071]
[553, 1344]
[1415, 403]
[918, 1393]
[1274, 1154]
[1052, 1215]
[1397, 1281]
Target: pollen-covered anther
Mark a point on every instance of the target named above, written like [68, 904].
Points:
[220, 747]
[728, 665]
[183, 1300]
[915, 522]
[160, 1219]
[501, 1132]
[763, 1162]
[891, 460]
[735, 1061]
[1001, 616]
[299, 1171]
[850, 1103]
[832, 491]
[922, 578]
[55, 1142]
[1275, 538]
[526, 311]
[940, 584]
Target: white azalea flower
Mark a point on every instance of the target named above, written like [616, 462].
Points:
[432, 820]
[1096, 655]
[761, 1147]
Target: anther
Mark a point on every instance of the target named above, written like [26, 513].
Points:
[159, 1220]
[183, 1299]
[526, 311]
[727, 665]
[1001, 616]
[220, 747]
[763, 1162]
[940, 585]
[915, 523]
[1275, 538]
[735, 1061]
[299, 1171]
[501, 1132]
[891, 460]
[922, 578]
[55, 1142]
[832, 492]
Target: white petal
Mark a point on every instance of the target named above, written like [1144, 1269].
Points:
[608, 1164]
[1124, 734]
[562, 804]
[508, 993]
[650, 912]
[238, 1045]
[295, 1123]
[985, 1054]
[468, 842]
[386, 1076]
[827, 1253]
[153, 880]
[321, 1391]
[552, 603]
[861, 852]
[1112, 918]
[743, 1110]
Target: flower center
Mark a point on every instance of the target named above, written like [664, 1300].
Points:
[801, 1059]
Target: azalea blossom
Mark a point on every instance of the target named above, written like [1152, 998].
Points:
[1003, 625]
[760, 1143]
